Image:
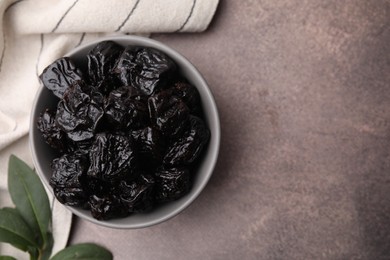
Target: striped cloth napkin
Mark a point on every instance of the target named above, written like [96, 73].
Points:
[36, 32]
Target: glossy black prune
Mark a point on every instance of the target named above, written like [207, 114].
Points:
[126, 110]
[68, 170]
[172, 184]
[59, 75]
[67, 177]
[147, 69]
[50, 131]
[168, 113]
[106, 207]
[79, 112]
[189, 146]
[112, 158]
[190, 95]
[137, 195]
[150, 146]
[102, 59]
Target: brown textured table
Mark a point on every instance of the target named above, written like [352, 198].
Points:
[303, 90]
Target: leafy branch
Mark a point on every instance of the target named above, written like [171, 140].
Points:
[28, 225]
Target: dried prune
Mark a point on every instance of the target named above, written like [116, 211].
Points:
[59, 75]
[147, 69]
[66, 180]
[126, 111]
[168, 113]
[50, 131]
[68, 170]
[189, 94]
[171, 184]
[188, 147]
[106, 207]
[79, 112]
[102, 59]
[150, 146]
[137, 195]
[112, 158]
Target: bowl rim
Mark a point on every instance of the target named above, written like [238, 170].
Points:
[215, 146]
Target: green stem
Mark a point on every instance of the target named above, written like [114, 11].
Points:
[34, 253]
[33, 256]
[40, 253]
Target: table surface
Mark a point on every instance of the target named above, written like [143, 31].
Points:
[302, 88]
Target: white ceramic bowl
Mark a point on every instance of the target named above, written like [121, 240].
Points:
[42, 154]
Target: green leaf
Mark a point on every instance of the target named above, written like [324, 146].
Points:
[29, 197]
[85, 251]
[14, 230]
[6, 257]
[15, 211]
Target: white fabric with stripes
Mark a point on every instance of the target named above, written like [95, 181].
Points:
[36, 32]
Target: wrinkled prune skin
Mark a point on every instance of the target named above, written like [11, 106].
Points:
[50, 131]
[126, 110]
[106, 207]
[126, 65]
[108, 84]
[168, 113]
[79, 112]
[66, 180]
[137, 195]
[59, 75]
[71, 196]
[172, 184]
[188, 147]
[112, 158]
[147, 69]
[101, 61]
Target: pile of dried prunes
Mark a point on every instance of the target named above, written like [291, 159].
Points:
[128, 130]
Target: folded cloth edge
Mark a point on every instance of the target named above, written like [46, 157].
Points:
[137, 16]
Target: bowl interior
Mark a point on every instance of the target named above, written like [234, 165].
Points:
[43, 155]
